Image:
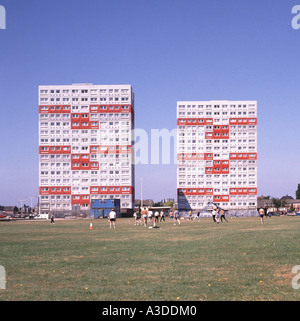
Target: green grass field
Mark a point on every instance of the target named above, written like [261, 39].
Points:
[239, 260]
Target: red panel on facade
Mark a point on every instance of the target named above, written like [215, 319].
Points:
[80, 117]
[220, 132]
[80, 199]
[55, 149]
[195, 191]
[57, 190]
[101, 109]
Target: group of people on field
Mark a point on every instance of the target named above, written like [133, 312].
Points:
[218, 215]
[146, 216]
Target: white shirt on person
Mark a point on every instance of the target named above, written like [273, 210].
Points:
[112, 215]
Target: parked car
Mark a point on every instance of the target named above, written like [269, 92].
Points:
[3, 215]
[274, 213]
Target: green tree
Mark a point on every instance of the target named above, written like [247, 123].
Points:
[298, 192]
[277, 202]
[169, 203]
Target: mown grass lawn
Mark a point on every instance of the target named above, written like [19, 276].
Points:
[239, 260]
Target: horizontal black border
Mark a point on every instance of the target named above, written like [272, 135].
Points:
[144, 309]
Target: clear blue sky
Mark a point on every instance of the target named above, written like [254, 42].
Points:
[169, 50]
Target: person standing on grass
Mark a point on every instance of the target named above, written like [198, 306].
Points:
[214, 213]
[139, 217]
[150, 215]
[223, 216]
[176, 217]
[52, 219]
[218, 216]
[190, 215]
[155, 219]
[112, 218]
[171, 216]
[162, 215]
[145, 214]
[261, 214]
[135, 215]
[156, 216]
